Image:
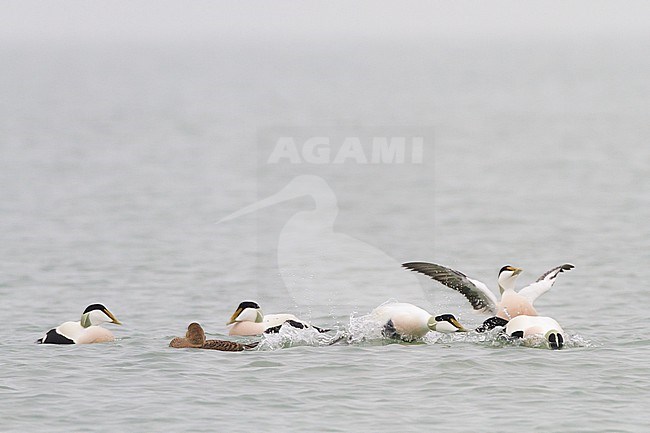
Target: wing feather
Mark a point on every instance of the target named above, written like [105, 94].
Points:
[477, 293]
[227, 346]
[544, 282]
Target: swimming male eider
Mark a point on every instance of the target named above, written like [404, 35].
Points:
[85, 331]
[512, 304]
[546, 327]
[408, 322]
[195, 338]
[248, 319]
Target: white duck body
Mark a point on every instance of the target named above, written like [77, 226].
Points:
[85, 331]
[271, 320]
[80, 335]
[411, 322]
[245, 327]
[540, 326]
[249, 320]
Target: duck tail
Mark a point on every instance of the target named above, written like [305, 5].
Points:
[555, 340]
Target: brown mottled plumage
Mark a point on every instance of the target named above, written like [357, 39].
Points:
[195, 338]
[227, 346]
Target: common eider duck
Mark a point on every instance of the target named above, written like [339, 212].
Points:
[409, 322]
[512, 303]
[545, 327]
[248, 319]
[85, 331]
[195, 338]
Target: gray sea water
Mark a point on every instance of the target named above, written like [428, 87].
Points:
[119, 159]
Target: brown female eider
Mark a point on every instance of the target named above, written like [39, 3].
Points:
[195, 338]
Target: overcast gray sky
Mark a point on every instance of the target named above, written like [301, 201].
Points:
[152, 20]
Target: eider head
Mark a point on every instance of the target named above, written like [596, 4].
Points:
[96, 314]
[247, 311]
[445, 323]
[507, 276]
[195, 335]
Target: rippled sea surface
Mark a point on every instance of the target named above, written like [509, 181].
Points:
[117, 161]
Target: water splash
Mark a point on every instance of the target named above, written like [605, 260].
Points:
[288, 336]
[496, 338]
[365, 330]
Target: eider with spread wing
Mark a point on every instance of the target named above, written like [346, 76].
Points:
[511, 304]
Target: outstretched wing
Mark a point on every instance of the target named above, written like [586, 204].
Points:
[477, 293]
[544, 283]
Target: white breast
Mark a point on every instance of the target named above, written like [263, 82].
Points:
[246, 328]
[94, 334]
[513, 304]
